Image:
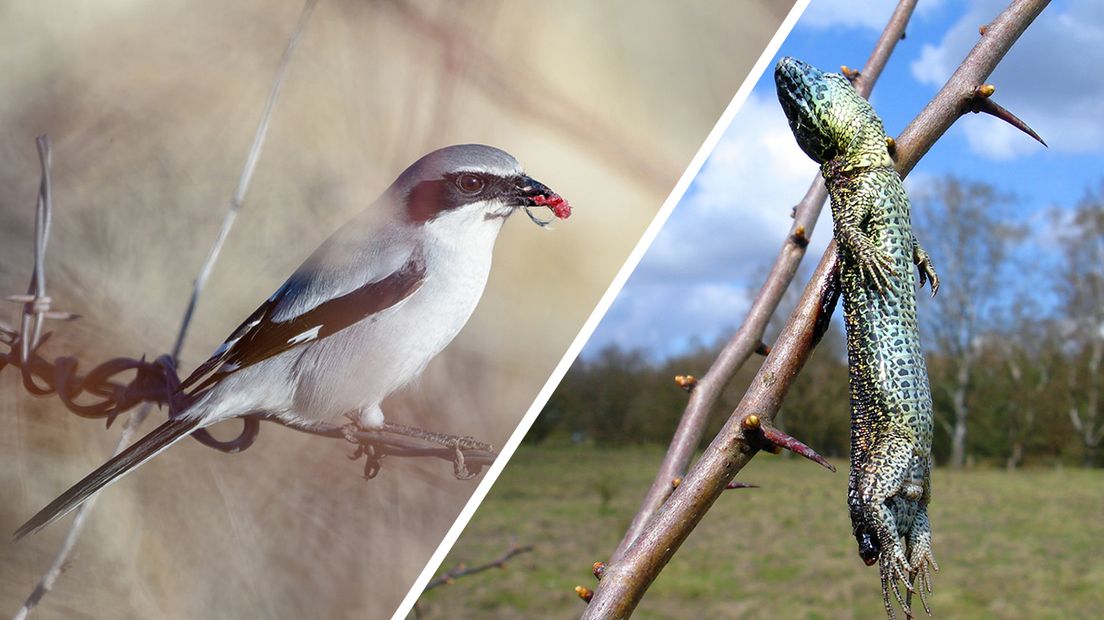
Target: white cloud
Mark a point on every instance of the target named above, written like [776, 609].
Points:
[1050, 79]
[694, 281]
[738, 209]
[870, 14]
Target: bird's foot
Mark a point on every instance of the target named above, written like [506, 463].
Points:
[373, 458]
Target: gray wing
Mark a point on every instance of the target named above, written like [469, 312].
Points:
[342, 283]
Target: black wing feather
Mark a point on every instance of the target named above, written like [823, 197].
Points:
[259, 337]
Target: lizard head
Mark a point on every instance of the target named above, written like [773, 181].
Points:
[827, 116]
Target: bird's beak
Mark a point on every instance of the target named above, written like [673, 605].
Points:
[531, 193]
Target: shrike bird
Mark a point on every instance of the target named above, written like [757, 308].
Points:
[361, 317]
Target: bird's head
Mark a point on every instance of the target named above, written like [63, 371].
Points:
[473, 181]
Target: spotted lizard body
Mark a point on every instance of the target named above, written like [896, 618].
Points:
[891, 412]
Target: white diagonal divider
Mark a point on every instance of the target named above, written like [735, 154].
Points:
[600, 310]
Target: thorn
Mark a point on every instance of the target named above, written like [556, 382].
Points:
[982, 29]
[799, 237]
[981, 102]
[675, 482]
[584, 593]
[775, 440]
[763, 349]
[891, 145]
[783, 440]
[598, 569]
[686, 382]
[849, 73]
[740, 485]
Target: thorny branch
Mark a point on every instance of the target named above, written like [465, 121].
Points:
[625, 581]
[748, 338]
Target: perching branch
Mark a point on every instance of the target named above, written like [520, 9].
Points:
[748, 338]
[624, 582]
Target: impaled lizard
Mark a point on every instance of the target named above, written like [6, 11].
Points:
[891, 412]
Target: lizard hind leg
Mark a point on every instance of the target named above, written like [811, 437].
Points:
[893, 569]
[921, 558]
[885, 475]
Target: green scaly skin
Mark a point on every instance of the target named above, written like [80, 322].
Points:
[891, 412]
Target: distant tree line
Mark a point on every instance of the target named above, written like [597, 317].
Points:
[1014, 342]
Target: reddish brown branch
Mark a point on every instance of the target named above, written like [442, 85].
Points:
[748, 338]
[626, 580]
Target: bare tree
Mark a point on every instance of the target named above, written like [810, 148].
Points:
[1029, 354]
[969, 238]
[1081, 290]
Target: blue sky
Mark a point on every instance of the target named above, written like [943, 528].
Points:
[694, 283]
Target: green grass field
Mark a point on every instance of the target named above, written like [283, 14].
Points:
[1027, 544]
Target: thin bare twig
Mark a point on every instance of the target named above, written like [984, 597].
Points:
[748, 337]
[625, 581]
[460, 570]
[52, 573]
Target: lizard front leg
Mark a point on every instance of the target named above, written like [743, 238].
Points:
[927, 270]
[874, 262]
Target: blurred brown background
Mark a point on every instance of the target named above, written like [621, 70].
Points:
[152, 108]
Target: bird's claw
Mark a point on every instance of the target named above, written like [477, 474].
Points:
[373, 459]
[459, 467]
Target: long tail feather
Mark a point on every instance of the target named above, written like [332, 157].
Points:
[139, 452]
